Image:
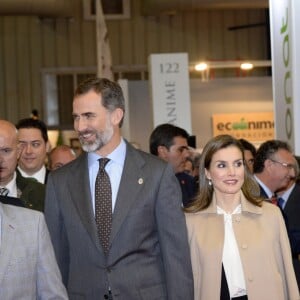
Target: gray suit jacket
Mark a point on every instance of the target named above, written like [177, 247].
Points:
[148, 256]
[28, 269]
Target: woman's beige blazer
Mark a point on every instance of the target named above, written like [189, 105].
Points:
[263, 245]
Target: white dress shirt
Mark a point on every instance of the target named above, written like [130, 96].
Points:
[40, 175]
[12, 187]
[231, 257]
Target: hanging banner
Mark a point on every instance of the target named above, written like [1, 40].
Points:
[285, 47]
[254, 127]
[170, 89]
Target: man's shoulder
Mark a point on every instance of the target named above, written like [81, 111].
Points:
[20, 213]
[146, 156]
[23, 182]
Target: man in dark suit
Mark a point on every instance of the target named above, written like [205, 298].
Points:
[33, 137]
[31, 192]
[291, 207]
[144, 253]
[274, 166]
[170, 143]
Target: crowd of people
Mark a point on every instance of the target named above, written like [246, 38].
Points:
[119, 223]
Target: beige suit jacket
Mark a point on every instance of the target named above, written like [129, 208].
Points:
[28, 269]
[263, 245]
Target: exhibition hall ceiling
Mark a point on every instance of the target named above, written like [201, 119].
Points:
[155, 7]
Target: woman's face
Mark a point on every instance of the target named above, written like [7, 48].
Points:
[226, 170]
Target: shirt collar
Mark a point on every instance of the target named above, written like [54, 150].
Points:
[266, 189]
[40, 175]
[117, 155]
[12, 186]
[285, 196]
[246, 206]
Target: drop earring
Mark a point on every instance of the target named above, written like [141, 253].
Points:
[209, 182]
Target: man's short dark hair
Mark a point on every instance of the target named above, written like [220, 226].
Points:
[34, 123]
[163, 135]
[111, 92]
[248, 146]
[267, 151]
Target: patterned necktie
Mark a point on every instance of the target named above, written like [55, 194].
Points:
[103, 205]
[4, 191]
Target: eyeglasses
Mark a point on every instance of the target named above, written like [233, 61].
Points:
[288, 166]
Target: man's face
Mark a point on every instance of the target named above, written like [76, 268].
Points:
[177, 154]
[281, 168]
[249, 159]
[93, 122]
[60, 157]
[34, 150]
[8, 156]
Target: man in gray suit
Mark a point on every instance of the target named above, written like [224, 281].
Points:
[146, 255]
[28, 269]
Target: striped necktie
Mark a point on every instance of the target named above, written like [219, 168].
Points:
[4, 191]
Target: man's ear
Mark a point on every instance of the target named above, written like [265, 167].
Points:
[162, 151]
[116, 116]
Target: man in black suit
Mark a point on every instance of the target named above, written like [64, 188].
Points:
[12, 184]
[144, 252]
[33, 137]
[274, 167]
[170, 143]
[291, 208]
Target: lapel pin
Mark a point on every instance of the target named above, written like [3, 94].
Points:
[140, 181]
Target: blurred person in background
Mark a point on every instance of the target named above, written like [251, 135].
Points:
[33, 138]
[59, 156]
[170, 143]
[249, 153]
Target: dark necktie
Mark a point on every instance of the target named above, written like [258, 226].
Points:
[103, 205]
[280, 202]
[4, 191]
[277, 201]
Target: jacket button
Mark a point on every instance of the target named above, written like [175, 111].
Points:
[244, 246]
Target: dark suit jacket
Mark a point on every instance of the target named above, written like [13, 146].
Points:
[292, 208]
[293, 234]
[188, 187]
[32, 192]
[292, 211]
[148, 256]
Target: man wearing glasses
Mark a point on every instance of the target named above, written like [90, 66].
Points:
[274, 167]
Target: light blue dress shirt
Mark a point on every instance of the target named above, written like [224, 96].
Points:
[114, 169]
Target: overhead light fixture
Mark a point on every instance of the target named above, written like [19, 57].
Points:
[246, 66]
[201, 66]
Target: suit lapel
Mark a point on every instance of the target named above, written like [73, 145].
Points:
[79, 186]
[132, 181]
[8, 229]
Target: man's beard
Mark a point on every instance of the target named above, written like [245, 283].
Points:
[102, 138]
